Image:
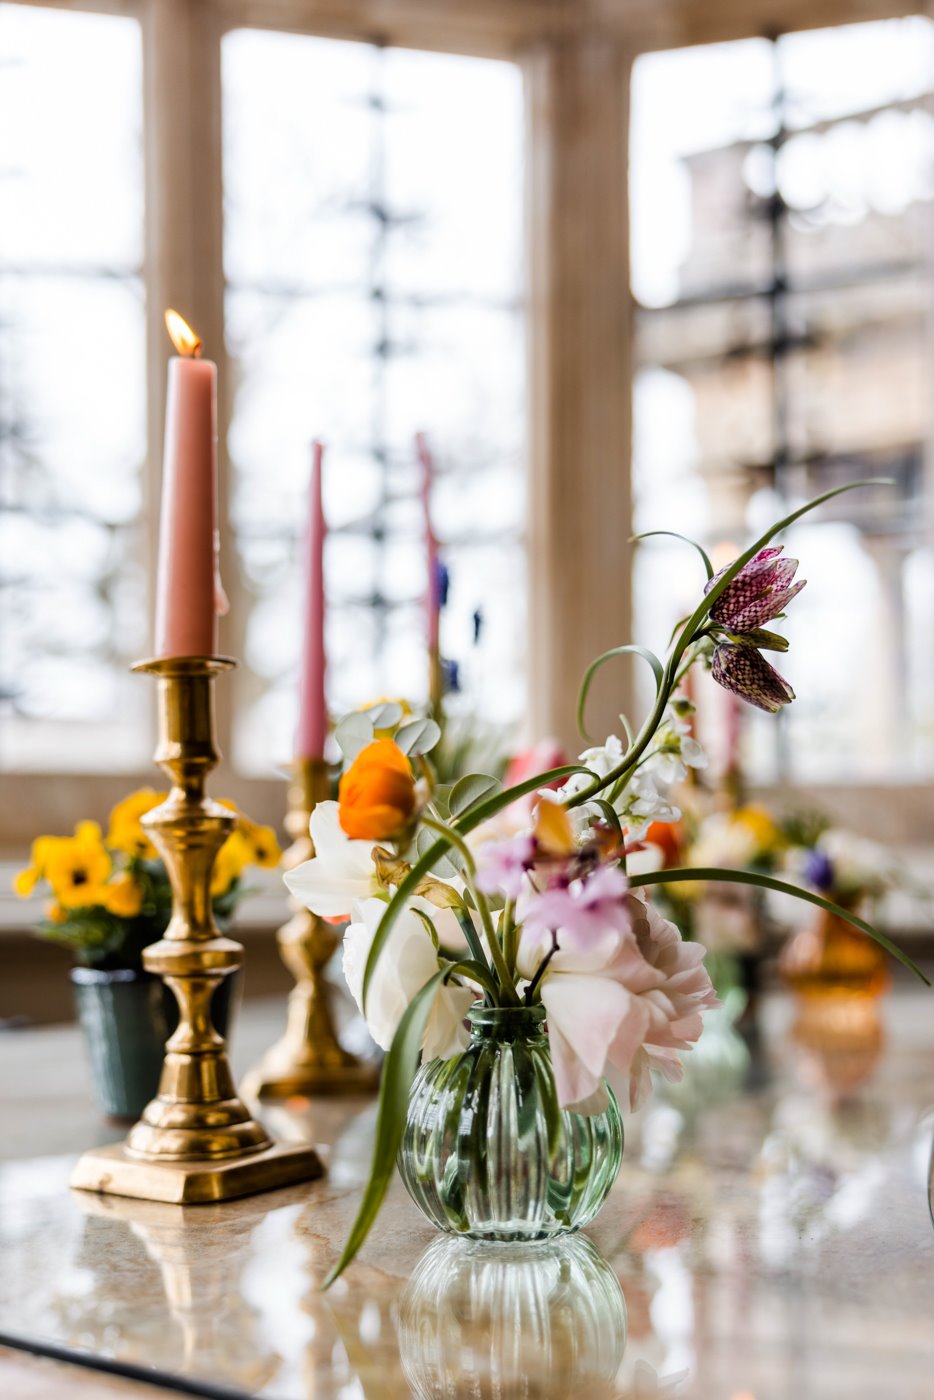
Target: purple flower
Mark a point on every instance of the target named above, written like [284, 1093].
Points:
[502, 864]
[761, 590]
[745, 672]
[818, 870]
[582, 911]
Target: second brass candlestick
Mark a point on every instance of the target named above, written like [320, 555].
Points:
[195, 1141]
[308, 1060]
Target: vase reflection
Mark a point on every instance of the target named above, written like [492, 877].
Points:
[839, 1042]
[487, 1322]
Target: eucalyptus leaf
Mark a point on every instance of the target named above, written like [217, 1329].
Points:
[444, 867]
[399, 1070]
[767, 882]
[472, 788]
[385, 715]
[418, 736]
[353, 733]
[441, 800]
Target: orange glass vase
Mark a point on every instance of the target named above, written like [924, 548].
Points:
[832, 959]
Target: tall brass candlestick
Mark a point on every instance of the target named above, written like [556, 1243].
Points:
[309, 1059]
[196, 1141]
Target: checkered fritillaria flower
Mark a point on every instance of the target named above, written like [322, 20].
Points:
[745, 671]
[760, 591]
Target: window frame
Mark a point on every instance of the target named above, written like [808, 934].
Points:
[576, 57]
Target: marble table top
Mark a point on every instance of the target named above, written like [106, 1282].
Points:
[774, 1244]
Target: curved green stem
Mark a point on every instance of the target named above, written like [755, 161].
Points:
[470, 869]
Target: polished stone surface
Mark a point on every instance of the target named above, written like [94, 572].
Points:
[774, 1243]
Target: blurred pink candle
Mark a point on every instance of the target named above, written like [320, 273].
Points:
[312, 704]
[432, 595]
[187, 590]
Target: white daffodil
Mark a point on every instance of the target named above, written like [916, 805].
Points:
[340, 871]
[407, 962]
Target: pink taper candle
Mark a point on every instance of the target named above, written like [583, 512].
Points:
[188, 595]
[312, 703]
[432, 595]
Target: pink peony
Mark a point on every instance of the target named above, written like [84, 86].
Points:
[631, 999]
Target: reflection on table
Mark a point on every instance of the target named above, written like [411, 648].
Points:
[768, 1241]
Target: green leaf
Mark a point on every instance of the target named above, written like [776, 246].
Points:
[418, 736]
[767, 882]
[471, 789]
[610, 816]
[385, 715]
[631, 649]
[353, 733]
[648, 534]
[477, 972]
[399, 1070]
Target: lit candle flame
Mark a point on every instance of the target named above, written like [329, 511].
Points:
[186, 341]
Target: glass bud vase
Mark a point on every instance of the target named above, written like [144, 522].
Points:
[488, 1154]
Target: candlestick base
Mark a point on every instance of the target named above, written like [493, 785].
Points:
[115, 1172]
[309, 1060]
[195, 1141]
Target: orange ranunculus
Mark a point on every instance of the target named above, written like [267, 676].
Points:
[376, 798]
[669, 839]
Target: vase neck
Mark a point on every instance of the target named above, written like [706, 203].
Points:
[507, 1022]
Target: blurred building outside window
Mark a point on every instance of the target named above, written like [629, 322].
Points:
[782, 197]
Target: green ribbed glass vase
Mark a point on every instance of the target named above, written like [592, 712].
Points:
[488, 1154]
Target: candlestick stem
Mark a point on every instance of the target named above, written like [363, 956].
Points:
[196, 1140]
[308, 1060]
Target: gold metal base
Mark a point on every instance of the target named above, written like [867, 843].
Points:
[280, 1076]
[114, 1171]
[308, 1061]
[195, 1141]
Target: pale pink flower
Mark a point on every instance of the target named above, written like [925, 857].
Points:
[630, 1000]
[581, 911]
[501, 865]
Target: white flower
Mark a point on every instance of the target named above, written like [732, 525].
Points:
[601, 761]
[407, 962]
[340, 872]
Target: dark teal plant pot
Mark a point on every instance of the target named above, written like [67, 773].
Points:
[127, 1016]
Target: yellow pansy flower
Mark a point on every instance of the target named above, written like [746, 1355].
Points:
[77, 868]
[232, 859]
[25, 881]
[123, 897]
[126, 832]
[262, 845]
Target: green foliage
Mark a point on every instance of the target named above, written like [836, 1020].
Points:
[398, 1072]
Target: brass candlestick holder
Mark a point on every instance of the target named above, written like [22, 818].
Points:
[309, 1059]
[195, 1141]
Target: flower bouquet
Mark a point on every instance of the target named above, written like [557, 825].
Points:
[109, 897]
[520, 962]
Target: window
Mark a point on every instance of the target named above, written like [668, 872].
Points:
[72, 392]
[373, 216]
[780, 259]
[372, 232]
